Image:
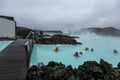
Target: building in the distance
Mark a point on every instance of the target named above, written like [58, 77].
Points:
[7, 27]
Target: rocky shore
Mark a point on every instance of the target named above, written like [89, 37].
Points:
[90, 70]
[40, 37]
[57, 39]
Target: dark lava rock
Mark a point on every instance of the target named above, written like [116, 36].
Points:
[109, 71]
[59, 39]
[119, 65]
[63, 39]
[53, 64]
[92, 66]
[90, 70]
[106, 66]
[33, 73]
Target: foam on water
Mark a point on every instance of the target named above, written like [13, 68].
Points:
[4, 44]
[103, 48]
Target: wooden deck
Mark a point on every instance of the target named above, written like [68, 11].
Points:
[13, 64]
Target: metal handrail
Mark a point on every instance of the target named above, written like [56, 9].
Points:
[29, 35]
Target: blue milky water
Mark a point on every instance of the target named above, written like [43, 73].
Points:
[103, 48]
[4, 44]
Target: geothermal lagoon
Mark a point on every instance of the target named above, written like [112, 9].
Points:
[103, 48]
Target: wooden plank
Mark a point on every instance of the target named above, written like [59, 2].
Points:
[13, 64]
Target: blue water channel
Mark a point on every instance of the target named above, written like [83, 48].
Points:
[103, 48]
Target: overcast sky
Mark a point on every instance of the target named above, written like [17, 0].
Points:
[60, 14]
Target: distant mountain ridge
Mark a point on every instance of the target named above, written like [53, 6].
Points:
[106, 31]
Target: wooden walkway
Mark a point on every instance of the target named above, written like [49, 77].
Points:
[13, 65]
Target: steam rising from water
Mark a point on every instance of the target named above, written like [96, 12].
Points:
[63, 14]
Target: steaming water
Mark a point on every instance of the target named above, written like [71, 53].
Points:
[103, 48]
[4, 44]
